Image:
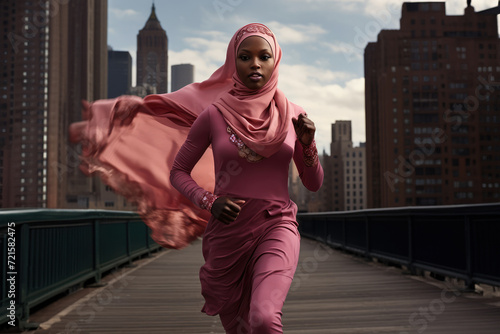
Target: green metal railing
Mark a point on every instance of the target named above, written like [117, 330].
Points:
[47, 252]
[461, 241]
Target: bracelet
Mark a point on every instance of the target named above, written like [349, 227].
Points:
[207, 200]
[310, 151]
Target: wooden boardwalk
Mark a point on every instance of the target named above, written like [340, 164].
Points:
[332, 292]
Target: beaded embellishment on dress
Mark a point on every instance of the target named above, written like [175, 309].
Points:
[243, 150]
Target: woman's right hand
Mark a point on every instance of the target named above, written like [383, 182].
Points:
[226, 209]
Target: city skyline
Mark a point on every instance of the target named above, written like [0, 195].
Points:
[322, 41]
[453, 66]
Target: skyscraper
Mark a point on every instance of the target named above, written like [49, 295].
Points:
[347, 168]
[344, 183]
[55, 57]
[119, 73]
[182, 75]
[152, 54]
[24, 106]
[433, 108]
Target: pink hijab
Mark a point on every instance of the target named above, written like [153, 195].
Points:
[131, 142]
[259, 118]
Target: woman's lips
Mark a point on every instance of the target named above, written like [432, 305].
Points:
[255, 76]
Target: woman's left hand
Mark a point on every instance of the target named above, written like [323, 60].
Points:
[304, 128]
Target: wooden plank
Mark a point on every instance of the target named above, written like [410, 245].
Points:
[332, 292]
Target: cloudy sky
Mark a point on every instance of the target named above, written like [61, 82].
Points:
[322, 43]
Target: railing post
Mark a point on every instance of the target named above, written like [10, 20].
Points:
[367, 237]
[468, 253]
[127, 231]
[410, 245]
[343, 233]
[148, 242]
[97, 260]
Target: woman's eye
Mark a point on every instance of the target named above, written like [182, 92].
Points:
[244, 57]
[265, 57]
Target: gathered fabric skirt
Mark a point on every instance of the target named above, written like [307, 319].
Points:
[263, 242]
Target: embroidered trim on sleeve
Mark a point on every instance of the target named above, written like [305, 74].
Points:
[207, 200]
[311, 158]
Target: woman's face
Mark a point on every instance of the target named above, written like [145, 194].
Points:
[254, 62]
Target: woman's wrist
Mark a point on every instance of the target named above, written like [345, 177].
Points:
[310, 152]
[207, 200]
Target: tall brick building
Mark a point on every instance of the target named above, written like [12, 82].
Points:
[152, 55]
[54, 55]
[347, 166]
[432, 92]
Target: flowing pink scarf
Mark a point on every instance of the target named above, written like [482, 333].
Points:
[131, 142]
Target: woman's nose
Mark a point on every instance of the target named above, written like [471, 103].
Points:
[255, 63]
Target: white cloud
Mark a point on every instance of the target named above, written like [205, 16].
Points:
[295, 33]
[351, 52]
[299, 73]
[325, 101]
[125, 13]
[206, 54]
